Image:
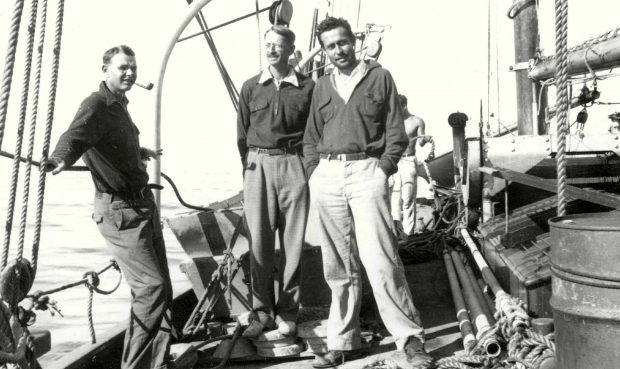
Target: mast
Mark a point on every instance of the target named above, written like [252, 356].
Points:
[530, 115]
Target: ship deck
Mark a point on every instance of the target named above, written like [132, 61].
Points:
[431, 291]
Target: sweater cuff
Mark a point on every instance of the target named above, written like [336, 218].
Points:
[387, 167]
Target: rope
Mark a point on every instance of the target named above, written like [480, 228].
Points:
[561, 35]
[4, 99]
[33, 124]
[20, 137]
[48, 131]
[260, 38]
[9, 62]
[91, 325]
[78, 168]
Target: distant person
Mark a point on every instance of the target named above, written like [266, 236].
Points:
[106, 138]
[353, 141]
[273, 109]
[405, 188]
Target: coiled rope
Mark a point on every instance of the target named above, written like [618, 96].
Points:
[7, 76]
[561, 35]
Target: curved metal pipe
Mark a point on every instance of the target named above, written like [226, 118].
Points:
[197, 7]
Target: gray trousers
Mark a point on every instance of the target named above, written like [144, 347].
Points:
[275, 192]
[132, 231]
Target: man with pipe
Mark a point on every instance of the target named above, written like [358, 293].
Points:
[273, 109]
[106, 138]
[353, 141]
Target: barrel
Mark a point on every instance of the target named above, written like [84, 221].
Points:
[585, 265]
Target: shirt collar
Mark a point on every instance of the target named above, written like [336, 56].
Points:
[291, 77]
[360, 69]
[111, 98]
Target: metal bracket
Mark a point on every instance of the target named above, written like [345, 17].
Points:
[520, 66]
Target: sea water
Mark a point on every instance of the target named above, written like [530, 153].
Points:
[71, 245]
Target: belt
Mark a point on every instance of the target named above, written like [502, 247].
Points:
[345, 157]
[408, 155]
[276, 151]
[141, 194]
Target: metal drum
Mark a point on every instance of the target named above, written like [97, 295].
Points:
[585, 264]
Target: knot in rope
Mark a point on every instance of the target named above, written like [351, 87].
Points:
[91, 280]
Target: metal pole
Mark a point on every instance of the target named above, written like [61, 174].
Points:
[479, 294]
[481, 323]
[487, 273]
[465, 326]
[155, 175]
[458, 121]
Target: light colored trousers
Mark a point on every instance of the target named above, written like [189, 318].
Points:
[275, 191]
[403, 193]
[354, 218]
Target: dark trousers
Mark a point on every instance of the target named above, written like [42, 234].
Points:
[132, 231]
[276, 193]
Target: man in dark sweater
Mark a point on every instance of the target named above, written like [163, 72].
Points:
[106, 138]
[273, 109]
[353, 141]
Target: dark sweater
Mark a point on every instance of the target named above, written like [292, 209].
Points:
[103, 133]
[370, 122]
[270, 118]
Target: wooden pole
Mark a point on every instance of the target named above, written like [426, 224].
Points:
[525, 36]
[603, 55]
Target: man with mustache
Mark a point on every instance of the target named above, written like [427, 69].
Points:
[273, 109]
[353, 141]
[106, 138]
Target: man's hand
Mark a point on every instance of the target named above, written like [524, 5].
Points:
[147, 154]
[51, 165]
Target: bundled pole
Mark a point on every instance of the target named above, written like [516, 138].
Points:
[480, 319]
[503, 301]
[465, 326]
[478, 291]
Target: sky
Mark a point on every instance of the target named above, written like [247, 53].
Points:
[435, 50]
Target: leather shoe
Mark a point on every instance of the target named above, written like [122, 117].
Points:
[415, 353]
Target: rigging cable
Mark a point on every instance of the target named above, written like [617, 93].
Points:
[9, 62]
[33, 124]
[260, 38]
[60, 11]
[21, 122]
[561, 35]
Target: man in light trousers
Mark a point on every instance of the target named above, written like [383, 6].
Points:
[353, 141]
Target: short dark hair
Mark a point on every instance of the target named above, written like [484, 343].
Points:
[331, 23]
[402, 99]
[284, 32]
[107, 56]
